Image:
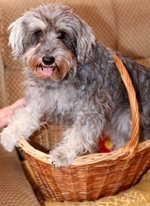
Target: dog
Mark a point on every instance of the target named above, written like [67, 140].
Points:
[69, 73]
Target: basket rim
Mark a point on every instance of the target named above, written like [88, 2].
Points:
[86, 159]
[125, 152]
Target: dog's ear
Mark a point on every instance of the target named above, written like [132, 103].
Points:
[17, 34]
[85, 40]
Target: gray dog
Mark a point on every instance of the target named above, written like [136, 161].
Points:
[69, 73]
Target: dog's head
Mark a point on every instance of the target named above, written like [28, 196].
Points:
[51, 40]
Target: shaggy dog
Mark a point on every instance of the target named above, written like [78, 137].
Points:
[69, 73]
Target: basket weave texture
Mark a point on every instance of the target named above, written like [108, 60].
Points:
[96, 175]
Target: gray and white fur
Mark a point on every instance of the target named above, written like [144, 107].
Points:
[69, 73]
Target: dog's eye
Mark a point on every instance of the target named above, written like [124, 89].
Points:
[61, 35]
[38, 34]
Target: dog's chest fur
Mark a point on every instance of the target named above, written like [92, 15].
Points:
[54, 98]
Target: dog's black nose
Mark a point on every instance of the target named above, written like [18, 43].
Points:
[48, 60]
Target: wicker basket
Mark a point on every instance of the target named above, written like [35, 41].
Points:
[96, 175]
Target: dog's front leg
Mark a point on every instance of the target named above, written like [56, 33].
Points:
[81, 138]
[23, 123]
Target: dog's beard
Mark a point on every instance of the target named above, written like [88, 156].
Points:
[64, 62]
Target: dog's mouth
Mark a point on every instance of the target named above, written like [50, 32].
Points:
[47, 71]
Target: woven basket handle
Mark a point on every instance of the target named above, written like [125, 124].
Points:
[132, 144]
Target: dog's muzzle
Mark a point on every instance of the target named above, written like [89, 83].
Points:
[48, 65]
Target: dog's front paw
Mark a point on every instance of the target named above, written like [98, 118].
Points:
[8, 139]
[61, 156]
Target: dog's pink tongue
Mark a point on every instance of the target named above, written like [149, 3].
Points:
[47, 71]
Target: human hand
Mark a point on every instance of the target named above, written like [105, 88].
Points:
[6, 112]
